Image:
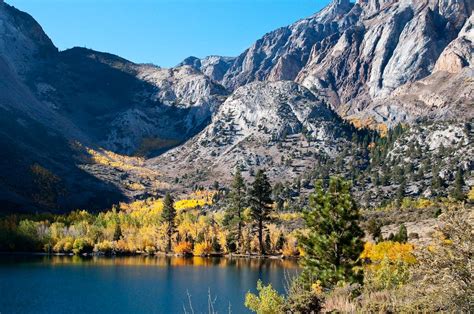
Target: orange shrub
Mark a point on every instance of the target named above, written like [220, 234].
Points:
[290, 250]
[183, 248]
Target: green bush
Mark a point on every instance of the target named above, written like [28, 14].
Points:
[303, 299]
[268, 301]
[82, 245]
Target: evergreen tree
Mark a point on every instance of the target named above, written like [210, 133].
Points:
[117, 231]
[376, 179]
[261, 204]
[268, 243]
[168, 216]
[398, 174]
[418, 152]
[457, 192]
[216, 246]
[400, 192]
[437, 183]
[334, 242]
[420, 175]
[408, 170]
[441, 150]
[280, 243]
[402, 235]
[230, 241]
[385, 179]
[375, 230]
[278, 196]
[238, 203]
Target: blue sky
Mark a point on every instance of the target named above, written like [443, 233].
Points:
[164, 32]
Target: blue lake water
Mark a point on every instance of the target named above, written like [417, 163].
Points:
[66, 284]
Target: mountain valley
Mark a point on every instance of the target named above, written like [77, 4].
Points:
[80, 124]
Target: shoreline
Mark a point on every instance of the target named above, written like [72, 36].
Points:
[227, 256]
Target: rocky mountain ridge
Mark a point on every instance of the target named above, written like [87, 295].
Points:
[354, 54]
[53, 99]
[376, 63]
[280, 126]
[83, 123]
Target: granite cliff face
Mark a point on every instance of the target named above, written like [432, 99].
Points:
[400, 44]
[375, 63]
[355, 54]
[22, 40]
[280, 126]
[459, 53]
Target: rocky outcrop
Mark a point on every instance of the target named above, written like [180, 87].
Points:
[280, 126]
[214, 67]
[460, 52]
[446, 94]
[22, 40]
[440, 96]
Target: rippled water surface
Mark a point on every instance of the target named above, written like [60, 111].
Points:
[65, 284]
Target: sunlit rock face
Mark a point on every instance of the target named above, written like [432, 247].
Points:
[262, 124]
[356, 53]
[459, 53]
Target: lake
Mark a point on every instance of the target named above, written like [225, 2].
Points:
[139, 284]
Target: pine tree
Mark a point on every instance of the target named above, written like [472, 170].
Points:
[375, 230]
[215, 186]
[261, 204]
[334, 242]
[230, 243]
[268, 243]
[237, 204]
[400, 192]
[402, 235]
[436, 182]
[376, 179]
[420, 175]
[168, 216]
[216, 246]
[278, 191]
[117, 231]
[458, 193]
[280, 243]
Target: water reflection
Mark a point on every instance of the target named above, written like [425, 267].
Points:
[153, 261]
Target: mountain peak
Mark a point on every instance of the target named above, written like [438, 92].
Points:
[195, 62]
[334, 11]
[23, 41]
[341, 3]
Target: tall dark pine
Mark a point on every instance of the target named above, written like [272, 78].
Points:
[168, 216]
[334, 242]
[261, 204]
[238, 203]
[437, 183]
[117, 231]
[457, 192]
